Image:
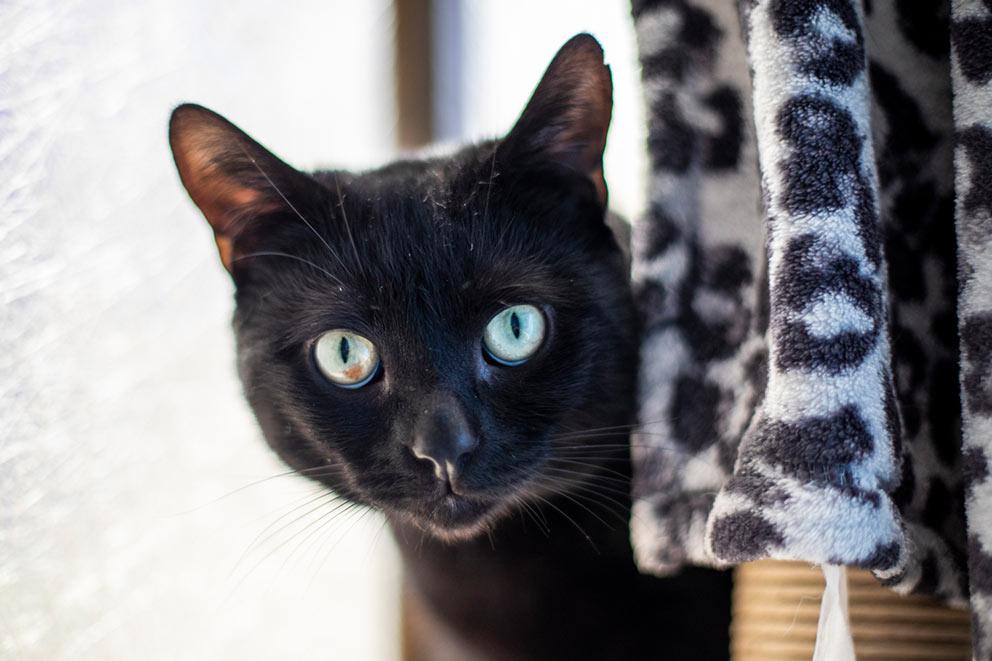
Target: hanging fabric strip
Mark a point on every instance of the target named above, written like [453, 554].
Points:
[833, 632]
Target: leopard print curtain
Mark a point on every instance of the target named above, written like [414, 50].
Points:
[819, 238]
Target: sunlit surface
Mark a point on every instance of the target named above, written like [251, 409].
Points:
[119, 406]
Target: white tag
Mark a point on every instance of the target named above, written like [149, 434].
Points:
[833, 633]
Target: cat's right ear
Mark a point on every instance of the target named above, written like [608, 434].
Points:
[232, 179]
[568, 115]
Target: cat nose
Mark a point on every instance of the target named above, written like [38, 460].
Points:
[443, 439]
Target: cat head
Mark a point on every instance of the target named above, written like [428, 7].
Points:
[425, 337]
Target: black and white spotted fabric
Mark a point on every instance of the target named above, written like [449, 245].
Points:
[818, 240]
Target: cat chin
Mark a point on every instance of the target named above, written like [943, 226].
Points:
[452, 520]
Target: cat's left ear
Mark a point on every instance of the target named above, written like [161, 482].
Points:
[568, 116]
[235, 181]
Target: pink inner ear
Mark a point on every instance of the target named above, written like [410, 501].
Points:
[219, 166]
[219, 196]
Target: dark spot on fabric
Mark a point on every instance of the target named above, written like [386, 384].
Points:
[980, 578]
[825, 57]
[760, 489]
[910, 354]
[903, 495]
[639, 7]
[908, 137]
[822, 172]
[727, 454]
[929, 575]
[697, 403]
[826, 150]
[805, 275]
[743, 536]
[651, 297]
[671, 140]
[972, 40]
[762, 307]
[976, 338]
[698, 28]
[944, 411]
[661, 234]
[723, 149]
[944, 327]
[977, 143]
[885, 556]
[980, 565]
[905, 275]
[819, 450]
[974, 465]
[756, 372]
[939, 505]
[925, 25]
[670, 63]
[727, 269]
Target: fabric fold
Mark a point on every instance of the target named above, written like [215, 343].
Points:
[799, 280]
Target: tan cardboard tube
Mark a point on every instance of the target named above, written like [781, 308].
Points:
[776, 605]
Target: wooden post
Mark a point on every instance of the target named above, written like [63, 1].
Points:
[413, 71]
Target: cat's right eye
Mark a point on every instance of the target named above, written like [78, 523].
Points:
[347, 359]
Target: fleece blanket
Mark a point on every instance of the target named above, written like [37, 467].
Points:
[814, 274]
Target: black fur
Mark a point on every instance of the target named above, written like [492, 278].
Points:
[417, 256]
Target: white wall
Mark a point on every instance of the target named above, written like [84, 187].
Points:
[119, 406]
[505, 46]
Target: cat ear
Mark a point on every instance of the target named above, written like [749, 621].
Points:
[568, 116]
[230, 177]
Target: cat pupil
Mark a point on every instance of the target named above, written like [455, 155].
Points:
[344, 349]
[515, 325]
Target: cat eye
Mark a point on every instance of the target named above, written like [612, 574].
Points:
[514, 335]
[347, 359]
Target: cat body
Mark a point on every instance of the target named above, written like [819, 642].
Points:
[453, 341]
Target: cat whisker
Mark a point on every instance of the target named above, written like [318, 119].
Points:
[623, 508]
[613, 508]
[269, 253]
[489, 186]
[630, 426]
[347, 225]
[286, 199]
[274, 528]
[579, 528]
[322, 502]
[581, 477]
[579, 461]
[315, 527]
[315, 471]
[353, 521]
[571, 495]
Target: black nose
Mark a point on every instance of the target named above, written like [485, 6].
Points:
[444, 437]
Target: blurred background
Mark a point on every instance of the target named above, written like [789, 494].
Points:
[141, 514]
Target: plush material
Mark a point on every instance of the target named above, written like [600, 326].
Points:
[819, 237]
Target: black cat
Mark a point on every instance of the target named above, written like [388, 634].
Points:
[453, 341]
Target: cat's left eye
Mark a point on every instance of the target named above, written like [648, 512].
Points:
[347, 359]
[514, 335]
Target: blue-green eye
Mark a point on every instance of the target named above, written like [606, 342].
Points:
[347, 359]
[513, 335]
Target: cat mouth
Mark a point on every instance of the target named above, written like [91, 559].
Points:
[456, 511]
[454, 517]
